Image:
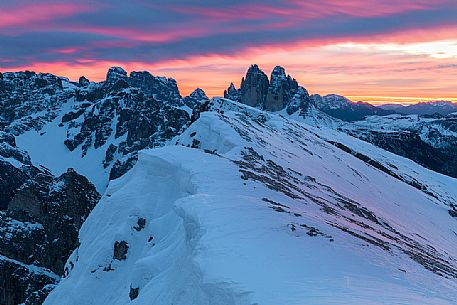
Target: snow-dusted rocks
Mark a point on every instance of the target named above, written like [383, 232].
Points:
[195, 99]
[40, 216]
[97, 128]
[29, 100]
[429, 141]
[232, 93]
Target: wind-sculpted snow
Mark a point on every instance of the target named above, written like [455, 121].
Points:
[259, 209]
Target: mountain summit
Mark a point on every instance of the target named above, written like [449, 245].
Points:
[279, 92]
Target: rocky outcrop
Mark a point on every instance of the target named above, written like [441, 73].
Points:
[83, 82]
[278, 93]
[232, 93]
[140, 111]
[281, 90]
[159, 88]
[195, 99]
[29, 100]
[114, 75]
[40, 216]
[254, 87]
[23, 284]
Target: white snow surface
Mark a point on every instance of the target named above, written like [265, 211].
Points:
[46, 148]
[211, 237]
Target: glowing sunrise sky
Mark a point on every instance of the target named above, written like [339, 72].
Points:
[372, 50]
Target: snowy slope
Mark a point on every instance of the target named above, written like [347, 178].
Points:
[259, 209]
[46, 147]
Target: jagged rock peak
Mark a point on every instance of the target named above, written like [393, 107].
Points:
[199, 93]
[114, 74]
[83, 82]
[281, 90]
[254, 87]
[232, 93]
[278, 72]
[196, 98]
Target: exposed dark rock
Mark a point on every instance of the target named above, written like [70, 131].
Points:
[55, 208]
[22, 285]
[115, 74]
[11, 178]
[39, 223]
[195, 99]
[254, 87]
[83, 82]
[278, 93]
[72, 115]
[160, 88]
[232, 93]
[120, 250]
[134, 292]
[119, 85]
[417, 146]
[120, 167]
[23, 94]
[109, 155]
[141, 223]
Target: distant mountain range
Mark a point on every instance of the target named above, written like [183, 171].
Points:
[282, 92]
[423, 108]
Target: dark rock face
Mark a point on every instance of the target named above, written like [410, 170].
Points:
[40, 216]
[160, 88]
[134, 292]
[122, 166]
[11, 178]
[114, 75]
[232, 93]
[195, 99]
[22, 285]
[83, 82]
[254, 87]
[23, 94]
[142, 110]
[120, 250]
[411, 146]
[300, 101]
[281, 90]
[278, 93]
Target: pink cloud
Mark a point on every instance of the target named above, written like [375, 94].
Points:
[26, 15]
[309, 10]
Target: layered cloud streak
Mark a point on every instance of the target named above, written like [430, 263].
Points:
[177, 34]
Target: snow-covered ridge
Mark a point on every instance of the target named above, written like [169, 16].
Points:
[259, 209]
